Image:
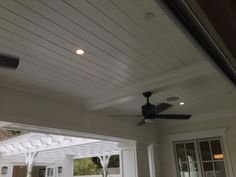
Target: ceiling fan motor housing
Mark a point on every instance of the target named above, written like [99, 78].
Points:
[148, 111]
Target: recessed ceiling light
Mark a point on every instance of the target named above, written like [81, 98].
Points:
[181, 103]
[80, 52]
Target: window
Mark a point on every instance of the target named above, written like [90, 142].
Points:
[200, 158]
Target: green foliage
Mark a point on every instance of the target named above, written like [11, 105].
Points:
[85, 167]
[96, 161]
[114, 162]
[92, 166]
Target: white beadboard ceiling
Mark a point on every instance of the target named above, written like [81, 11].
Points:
[204, 94]
[122, 49]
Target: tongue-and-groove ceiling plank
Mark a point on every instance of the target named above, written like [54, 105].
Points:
[179, 42]
[45, 26]
[52, 43]
[131, 18]
[121, 47]
[200, 95]
[72, 34]
[38, 59]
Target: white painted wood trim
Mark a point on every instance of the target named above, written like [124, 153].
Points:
[197, 134]
[134, 151]
[220, 132]
[54, 171]
[151, 160]
[136, 162]
[4, 124]
[55, 131]
[157, 84]
[36, 164]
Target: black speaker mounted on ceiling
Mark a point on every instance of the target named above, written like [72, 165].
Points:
[9, 61]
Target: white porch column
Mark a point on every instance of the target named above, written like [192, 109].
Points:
[142, 159]
[128, 162]
[29, 160]
[104, 160]
[153, 158]
[139, 160]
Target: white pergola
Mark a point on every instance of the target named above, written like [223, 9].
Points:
[30, 144]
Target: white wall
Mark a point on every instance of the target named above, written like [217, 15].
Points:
[25, 108]
[165, 150]
[54, 158]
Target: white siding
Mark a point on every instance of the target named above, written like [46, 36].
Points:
[48, 158]
[165, 148]
[53, 158]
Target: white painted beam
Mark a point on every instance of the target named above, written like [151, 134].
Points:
[156, 84]
[93, 154]
[4, 124]
[33, 142]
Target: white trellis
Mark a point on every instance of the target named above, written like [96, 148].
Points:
[29, 160]
[35, 142]
[104, 160]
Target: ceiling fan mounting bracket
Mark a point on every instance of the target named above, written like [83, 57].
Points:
[147, 94]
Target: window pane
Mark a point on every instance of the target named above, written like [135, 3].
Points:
[183, 170]
[216, 150]
[208, 169]
[191, 157]
[181, 156]
[193, 170]
[205, 150]
[220, 169]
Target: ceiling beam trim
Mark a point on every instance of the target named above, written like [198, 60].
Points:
[156, 84]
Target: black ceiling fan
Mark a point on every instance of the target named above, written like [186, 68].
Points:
[9, 61]
[151, 112]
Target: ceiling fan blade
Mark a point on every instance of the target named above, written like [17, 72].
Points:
[173, 116]
[142, 122]
[162, 107]
[8, 61]
[125, 115]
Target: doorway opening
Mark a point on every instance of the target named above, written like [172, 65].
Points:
[28, 151]
[21, 171]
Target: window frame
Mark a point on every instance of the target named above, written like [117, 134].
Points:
[212, 159]
[196, 154]
[205, 134]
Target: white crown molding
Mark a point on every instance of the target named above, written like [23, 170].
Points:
[158, 83]
[4, 124]
[215, 115]
[197, 134]
[202, 117]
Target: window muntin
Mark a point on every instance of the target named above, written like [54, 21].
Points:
[186, 159]
[200, 158]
